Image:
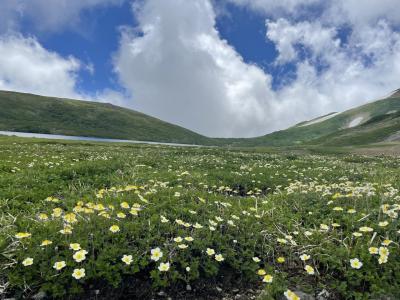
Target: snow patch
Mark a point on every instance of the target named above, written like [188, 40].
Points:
[318, 120]
[394, 137]
[355, 122]
[395, 94]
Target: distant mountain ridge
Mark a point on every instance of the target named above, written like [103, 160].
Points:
[377, 121]
[374, 122]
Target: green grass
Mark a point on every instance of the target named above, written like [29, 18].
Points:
[264, 203]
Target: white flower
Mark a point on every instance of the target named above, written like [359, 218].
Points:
[373, 250]
[58, 265]
[178, 239]
[383, 251]
[219, 257]
[304, 257]
[114, 228]
[291, 295]
[78, 273]
[210, 251]
[75, 246]
[156, 254]
[27, 261]
[268, 278]
[324, 227]
[355, 263]
[383, 259]
[197, 226]
[127, 259]
[309, 270]
[80, 255]
[164, 219]
[163, 267]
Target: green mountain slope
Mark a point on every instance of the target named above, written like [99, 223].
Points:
[373, 122]
[370, 123]
[380, 128]
[38, 114]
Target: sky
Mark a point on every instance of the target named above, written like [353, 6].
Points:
[222, 68]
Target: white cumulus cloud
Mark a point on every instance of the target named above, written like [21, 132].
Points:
[336, 75]
[28, 67]
[319, 40]
[359, 13]
[180, 70]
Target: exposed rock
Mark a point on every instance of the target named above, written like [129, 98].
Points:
[323, 295]
[304, 296]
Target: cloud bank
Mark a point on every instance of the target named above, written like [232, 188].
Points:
[178, 68]
[175, 65]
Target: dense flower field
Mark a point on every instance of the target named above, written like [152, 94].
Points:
[83, 220]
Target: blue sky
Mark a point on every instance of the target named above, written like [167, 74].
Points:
[96, 38]
[218, 67]
[93, 41]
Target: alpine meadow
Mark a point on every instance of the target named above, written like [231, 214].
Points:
[199, 149]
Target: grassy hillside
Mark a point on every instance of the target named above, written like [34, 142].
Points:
[377, 129]
[372, 122]
[38, 114]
